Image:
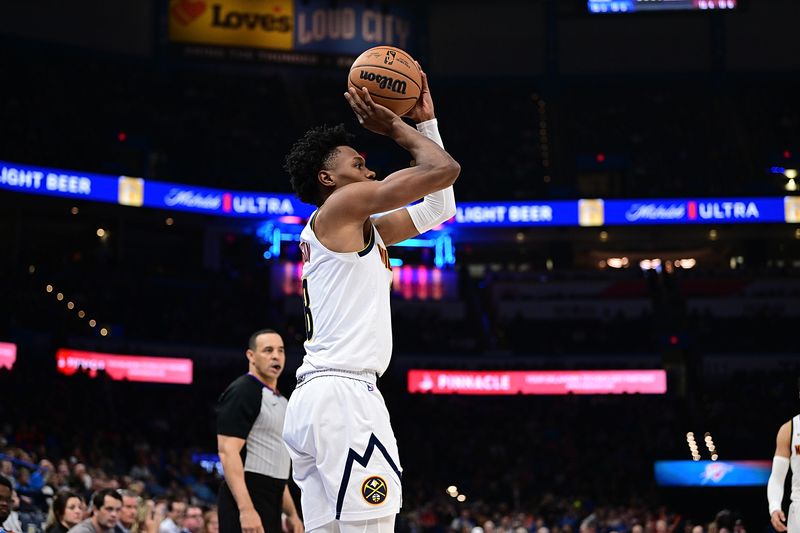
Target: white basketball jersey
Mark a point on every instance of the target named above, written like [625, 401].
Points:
[346, 301]
[794, 460]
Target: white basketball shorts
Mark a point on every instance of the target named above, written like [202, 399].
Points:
[343, 450]
[793, 519]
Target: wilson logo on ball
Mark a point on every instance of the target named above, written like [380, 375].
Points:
[385, 82]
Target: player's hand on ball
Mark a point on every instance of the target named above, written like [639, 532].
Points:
[423, 110]
[372, 116]
[778, 520]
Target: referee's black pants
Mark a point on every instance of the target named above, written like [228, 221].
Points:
[267, 495]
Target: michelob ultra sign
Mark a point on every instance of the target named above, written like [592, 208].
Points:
[316, 26]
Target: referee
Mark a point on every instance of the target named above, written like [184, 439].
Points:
[254, 458]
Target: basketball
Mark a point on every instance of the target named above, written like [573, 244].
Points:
[391, 76]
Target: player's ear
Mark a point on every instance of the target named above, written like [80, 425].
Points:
[326, 178]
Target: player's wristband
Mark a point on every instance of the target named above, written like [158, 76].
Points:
[436, 207]
[780, 466]
[430, 129]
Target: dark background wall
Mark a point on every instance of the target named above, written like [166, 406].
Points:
[502, 38]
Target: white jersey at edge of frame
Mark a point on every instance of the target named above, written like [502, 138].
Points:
[794, 460]
[346, 299]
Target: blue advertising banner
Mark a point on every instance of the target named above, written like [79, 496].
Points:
[220, 202]
[553, 213]
[712, 473]
[694, 211]
[351, 27]
[53, 182]
[138, 192]
[599, 212]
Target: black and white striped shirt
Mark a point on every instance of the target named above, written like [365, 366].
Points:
[251, 410]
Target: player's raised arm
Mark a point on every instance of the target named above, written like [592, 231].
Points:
[436, 207]
[434, 169]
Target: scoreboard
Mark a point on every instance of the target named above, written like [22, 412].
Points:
[635, 6]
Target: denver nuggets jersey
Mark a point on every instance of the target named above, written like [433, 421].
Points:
[346, 305]
[794, 459]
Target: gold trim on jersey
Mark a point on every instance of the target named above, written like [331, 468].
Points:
[385, 257]
[368, 248]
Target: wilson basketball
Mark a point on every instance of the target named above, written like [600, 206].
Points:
[391, 76]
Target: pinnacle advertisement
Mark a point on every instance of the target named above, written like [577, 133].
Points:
[287, 31]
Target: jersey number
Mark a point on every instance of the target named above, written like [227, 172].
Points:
[307, 311]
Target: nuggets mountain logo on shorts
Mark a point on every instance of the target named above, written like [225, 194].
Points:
[374, 490]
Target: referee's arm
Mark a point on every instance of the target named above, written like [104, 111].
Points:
[229, 449]
[288, 508]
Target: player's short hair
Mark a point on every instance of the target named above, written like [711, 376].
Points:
[310, 154]
[251, 343]
[4, 481]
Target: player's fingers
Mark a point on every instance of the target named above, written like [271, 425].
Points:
[358, 106]
[367, 98]
[424, 86]
[363, 101]
[355, 97]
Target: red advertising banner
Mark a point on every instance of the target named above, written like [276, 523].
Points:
[538, 382]
[8, 354]
[126, 367]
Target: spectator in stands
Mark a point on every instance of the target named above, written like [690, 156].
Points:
[140, 469]
[80, 477]
[463, 522]
[128, 513]
[5, 502]
[211, 522]
[7, 469]
[173, 523]
[41, 476]
[65, 512]
[106, 505]
[194, 519]
[148, 517]
[13, 523]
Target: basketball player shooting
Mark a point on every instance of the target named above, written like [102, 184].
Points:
[337, 429]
